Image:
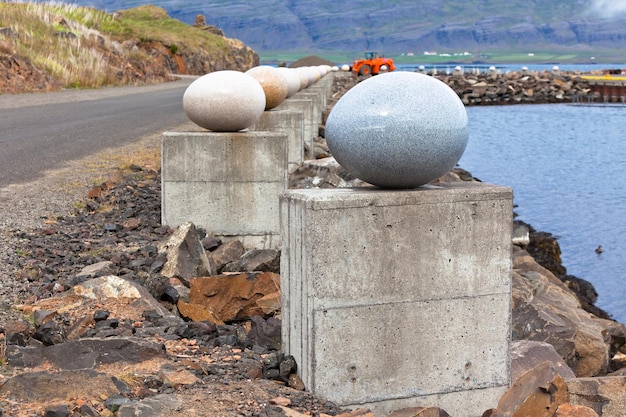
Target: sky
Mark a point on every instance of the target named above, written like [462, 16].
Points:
[609, 8]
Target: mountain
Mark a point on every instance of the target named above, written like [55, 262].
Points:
[401, 26]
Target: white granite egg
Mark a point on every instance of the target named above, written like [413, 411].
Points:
[224, 101]
[293, 80]
[304, 77]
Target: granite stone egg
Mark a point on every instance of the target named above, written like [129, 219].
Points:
[398, 130]
[224, 101]
[274, 84]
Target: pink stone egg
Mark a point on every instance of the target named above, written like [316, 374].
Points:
[224, 101]
[273, 82]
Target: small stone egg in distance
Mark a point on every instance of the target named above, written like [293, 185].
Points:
[224, 101]
[293, 80]
[398, 130]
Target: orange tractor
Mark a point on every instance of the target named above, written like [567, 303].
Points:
[372, 64]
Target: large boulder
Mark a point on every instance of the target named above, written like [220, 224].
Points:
[230, 297]
[605, 395]
[545, 310]
[186, 257]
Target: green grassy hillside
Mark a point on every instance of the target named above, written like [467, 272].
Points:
[86, 47]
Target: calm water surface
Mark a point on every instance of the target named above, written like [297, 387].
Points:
[567, 168]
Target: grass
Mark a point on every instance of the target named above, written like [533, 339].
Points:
[74, 44]
[60, 39]
[151, 23]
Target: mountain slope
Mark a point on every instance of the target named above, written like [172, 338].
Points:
[397, 26]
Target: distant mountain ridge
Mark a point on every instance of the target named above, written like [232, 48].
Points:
[401, 26]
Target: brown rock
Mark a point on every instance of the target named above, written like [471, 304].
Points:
[545, 309]
[45, 386]
[197, 312]
[234, 297]
[538, 393]
[295, 382]
[285, 402]
[15, 330]
[290, 412]
[200, 21]
[213, 30]
[526, 354]
[420, 412]
[267, 260]
[359, 412]
[177, 378]
[568, 410]
[270, 303]
[131, 224]
[81, 326]
[605, 395]
[226, 253]
[21, 76]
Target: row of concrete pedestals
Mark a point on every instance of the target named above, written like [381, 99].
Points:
[390, 298]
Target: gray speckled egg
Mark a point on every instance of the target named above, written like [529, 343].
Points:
[224, 101]
[398, 130]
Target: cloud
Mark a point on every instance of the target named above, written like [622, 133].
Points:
[608, 8]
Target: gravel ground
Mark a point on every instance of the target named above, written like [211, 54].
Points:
[35, 204]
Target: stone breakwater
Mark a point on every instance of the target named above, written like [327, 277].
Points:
[516, 87]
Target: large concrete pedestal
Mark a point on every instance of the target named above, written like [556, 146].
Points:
[394, 299]
[227, 183]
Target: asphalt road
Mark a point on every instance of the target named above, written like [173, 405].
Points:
[40, 132]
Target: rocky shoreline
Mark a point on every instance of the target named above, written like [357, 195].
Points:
[129, 349]
[517, 87]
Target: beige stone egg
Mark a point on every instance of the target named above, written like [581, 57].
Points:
[224, 101]
[273, 82]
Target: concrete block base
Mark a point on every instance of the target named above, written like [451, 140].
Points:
[227, 183]
[291, 123]
[392, 299]
[310, 118]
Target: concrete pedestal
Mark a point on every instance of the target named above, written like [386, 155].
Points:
[317, 94]
[227, 183]
[310, 114]
[317, 108]
[394, 299]
[291, 123]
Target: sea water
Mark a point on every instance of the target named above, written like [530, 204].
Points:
[566, 165]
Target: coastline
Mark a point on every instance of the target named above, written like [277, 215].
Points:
[121, 225]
